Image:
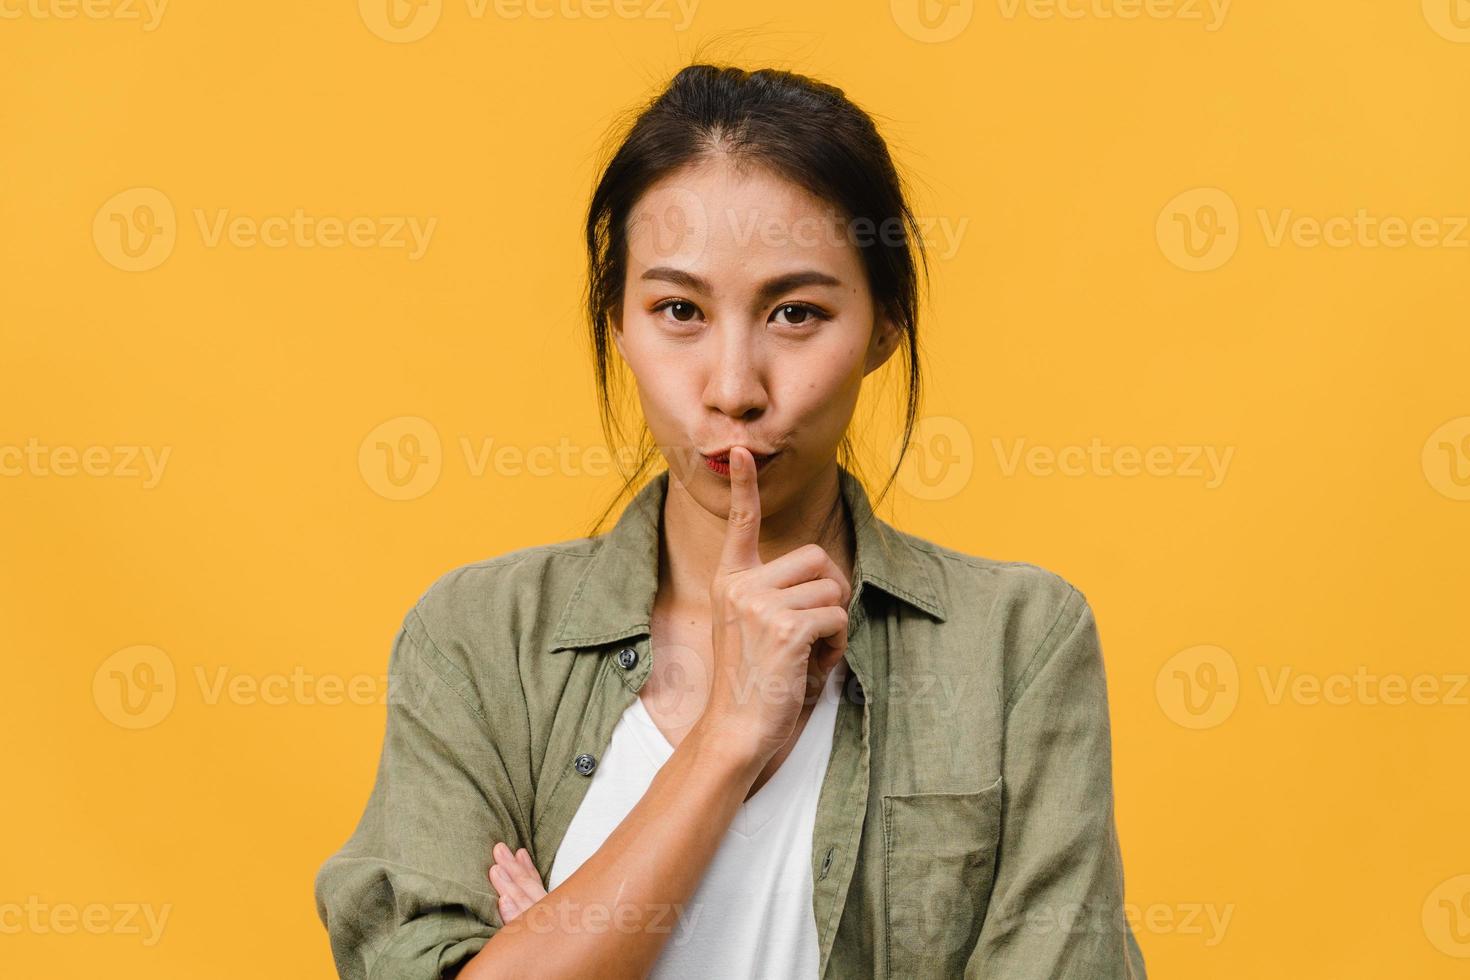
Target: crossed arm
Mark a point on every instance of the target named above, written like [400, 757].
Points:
[516, 880]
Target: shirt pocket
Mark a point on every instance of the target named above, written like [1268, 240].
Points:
[938, 865]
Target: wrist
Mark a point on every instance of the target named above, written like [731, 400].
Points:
[723, 743]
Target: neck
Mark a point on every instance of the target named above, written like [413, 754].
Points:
[693, 537]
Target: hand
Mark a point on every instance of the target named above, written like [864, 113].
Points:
[773, 626]
[516, 880]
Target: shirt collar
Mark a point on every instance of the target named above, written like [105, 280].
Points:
[613, 600]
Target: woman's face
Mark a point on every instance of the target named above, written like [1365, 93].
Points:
[746, 320]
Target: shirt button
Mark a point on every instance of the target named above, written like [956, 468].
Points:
[627, 658]
[586, 763]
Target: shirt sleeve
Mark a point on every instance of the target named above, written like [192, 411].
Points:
[1056, 908]
[406, 897]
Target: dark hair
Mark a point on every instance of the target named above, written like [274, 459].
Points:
[803, 130]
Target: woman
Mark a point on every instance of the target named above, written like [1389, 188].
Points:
[752, 731]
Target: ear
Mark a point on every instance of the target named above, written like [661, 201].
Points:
[886, 336]
[615, 328]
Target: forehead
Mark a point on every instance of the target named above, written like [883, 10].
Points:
[737, 225]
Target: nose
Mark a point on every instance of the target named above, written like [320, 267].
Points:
[736, 385]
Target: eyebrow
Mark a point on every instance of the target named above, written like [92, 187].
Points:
[768, 291]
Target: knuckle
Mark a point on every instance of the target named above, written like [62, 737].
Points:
[728, 588]
[745, 602]
[813, 554]
[786, 629]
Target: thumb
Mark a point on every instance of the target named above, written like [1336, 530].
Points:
[830, 651]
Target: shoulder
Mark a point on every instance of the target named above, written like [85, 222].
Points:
[1017, 612]
[1031, 596]
[477, 616]
[505, 581]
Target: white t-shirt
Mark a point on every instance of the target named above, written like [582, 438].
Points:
[751, 914]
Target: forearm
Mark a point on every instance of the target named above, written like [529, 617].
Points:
[615, 912]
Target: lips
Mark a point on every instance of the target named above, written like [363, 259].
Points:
[725, 456]
[720, 462]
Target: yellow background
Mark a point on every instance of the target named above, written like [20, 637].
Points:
[1332, 835]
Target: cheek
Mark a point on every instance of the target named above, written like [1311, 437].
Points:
[667, 389]
[829, 370]
[822, 387]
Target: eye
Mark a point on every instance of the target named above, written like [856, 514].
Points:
[800, 314]
[682, 311]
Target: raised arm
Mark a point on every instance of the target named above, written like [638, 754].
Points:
[613, 915]
[616, 911]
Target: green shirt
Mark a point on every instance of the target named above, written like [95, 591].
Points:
[965, 823]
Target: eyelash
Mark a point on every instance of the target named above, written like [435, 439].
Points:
[816, 313]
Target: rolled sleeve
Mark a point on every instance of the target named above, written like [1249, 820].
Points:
[406, 897]
[1056, 907]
